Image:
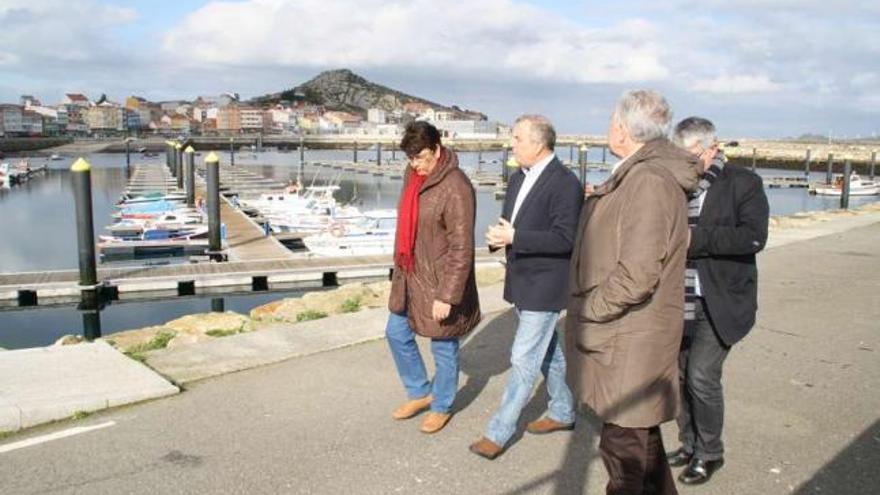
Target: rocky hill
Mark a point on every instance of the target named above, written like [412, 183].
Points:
[346, 91]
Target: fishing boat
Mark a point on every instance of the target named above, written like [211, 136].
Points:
[187, 215]
[857, 187]
[293, 202]
[156, 211]
[167, 221]
[55, 157]
[19, 173]
[153, 243]
[313, 221]
[149, 197]
[158, 234]
[372, 235]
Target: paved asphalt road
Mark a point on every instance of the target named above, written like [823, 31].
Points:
[802, 397]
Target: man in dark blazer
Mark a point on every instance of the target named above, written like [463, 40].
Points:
[728, 216]
[537, 231]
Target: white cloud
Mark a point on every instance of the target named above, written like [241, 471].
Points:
[737, 84]
[47, 31]
[743, 59]
[512, 38]
[866, 80]
[8, 58]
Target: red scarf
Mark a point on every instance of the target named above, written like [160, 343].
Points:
[407, 223]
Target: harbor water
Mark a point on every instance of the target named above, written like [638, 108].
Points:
[39, 228]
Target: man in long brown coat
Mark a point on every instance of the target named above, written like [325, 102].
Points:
[624, 322]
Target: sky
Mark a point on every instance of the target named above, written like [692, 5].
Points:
[757, 68]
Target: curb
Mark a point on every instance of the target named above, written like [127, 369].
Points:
[55, 383]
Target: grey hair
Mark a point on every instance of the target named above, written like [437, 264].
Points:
[541, 130]
[693, 130]
[645, 113]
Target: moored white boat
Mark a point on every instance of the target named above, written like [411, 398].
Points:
[857, 187]
[169, 221]
[179, 214]
[126, 201]
[159, 235]
[372, 235]
[313, 221]
[293, 202]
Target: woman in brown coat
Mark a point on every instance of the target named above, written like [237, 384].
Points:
[433, 289]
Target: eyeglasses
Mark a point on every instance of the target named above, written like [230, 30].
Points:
[422, 157]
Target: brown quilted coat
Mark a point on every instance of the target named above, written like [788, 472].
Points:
[444, 255]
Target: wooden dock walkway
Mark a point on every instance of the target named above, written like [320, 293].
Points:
[786, 182]
[243, 182]
[246, 240]
[146, 178]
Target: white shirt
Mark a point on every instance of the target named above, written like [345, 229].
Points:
[532, 174]
[620, 162]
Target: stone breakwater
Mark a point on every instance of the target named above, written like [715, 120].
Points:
[807, 218]
[21, 145]
[791, 155]
[200, 327]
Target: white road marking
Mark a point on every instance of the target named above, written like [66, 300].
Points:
[30, 442]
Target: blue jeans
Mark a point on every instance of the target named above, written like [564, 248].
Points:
[535, 348]
[411, 368]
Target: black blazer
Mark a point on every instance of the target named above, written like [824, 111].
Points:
[537, 261]
[731, 229]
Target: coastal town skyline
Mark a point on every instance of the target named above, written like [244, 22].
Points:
[757, 68]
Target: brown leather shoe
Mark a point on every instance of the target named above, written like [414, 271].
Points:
[486, 448]
[411, 407]
[435, 422]
[547, 425]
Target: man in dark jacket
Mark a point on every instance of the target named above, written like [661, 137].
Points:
[537, 230]
[728, 217]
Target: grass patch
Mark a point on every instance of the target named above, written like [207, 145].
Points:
[351, 305]
[310, 315]
[221, 333]
[159, 341]
[137, 356]
[78, 415]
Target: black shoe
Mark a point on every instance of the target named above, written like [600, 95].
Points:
[679, 458]
[699, 471]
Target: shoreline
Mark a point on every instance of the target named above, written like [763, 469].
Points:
[789, 155]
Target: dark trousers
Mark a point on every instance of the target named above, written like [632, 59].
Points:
[636, 461]
[702, 401]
